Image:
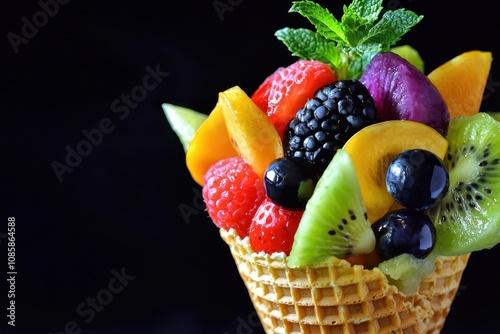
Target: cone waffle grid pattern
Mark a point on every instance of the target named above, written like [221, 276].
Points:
[340, 298]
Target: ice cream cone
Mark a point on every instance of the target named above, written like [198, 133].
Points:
[340, 298]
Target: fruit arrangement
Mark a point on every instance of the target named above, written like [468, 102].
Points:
[352, 158]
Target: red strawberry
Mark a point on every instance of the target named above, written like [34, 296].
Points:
[261, 95]
[288, 89]
[273, 228]
[232, 192]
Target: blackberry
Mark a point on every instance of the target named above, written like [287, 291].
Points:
[335, 113]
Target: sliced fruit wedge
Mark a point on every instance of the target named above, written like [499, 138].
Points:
[375, 146]
[334, 222]
[461, 81]
[210, 144]
[406, 271]
[184, 122]
[468, 217]
[235, 127]
[251, 132]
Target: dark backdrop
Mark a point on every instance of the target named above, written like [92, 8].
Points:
[102, 246]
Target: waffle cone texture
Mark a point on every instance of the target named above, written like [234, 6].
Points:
[337, 297]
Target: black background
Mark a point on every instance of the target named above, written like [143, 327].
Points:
[119, 207]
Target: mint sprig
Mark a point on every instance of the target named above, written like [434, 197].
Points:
[348, 44]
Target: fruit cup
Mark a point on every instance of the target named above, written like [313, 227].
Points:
[373, 236]
[342, 298]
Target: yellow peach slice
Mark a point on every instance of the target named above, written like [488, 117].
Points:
[252, 133]
[375, 146]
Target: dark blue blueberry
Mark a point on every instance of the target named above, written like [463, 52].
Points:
[404, 231]
[417, 179]
[290, 182]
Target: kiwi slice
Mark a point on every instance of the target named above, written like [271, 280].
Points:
[468, 217]
[334, 222]
[406, 271]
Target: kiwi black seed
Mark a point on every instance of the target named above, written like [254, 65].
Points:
[468, 217]
[334, 222]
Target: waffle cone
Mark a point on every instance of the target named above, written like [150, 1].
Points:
[337, 297]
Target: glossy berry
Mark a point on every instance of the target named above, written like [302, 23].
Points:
[232, 193]
[324, 124]
[273, 228]
[404, 231]
[417, 179]
[288, 89]
[290, 182]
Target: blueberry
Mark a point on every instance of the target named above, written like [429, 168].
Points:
[290, 182]
[404, 231]
[417, 179]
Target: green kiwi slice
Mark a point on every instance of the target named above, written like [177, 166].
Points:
[468, 217]
[334, 222]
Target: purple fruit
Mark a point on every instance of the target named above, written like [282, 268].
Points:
[401, 91]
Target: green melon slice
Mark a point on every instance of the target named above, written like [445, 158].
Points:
[184, 122]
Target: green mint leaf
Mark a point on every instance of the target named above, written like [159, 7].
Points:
[362, 12]
[308, 44]
[359, 18]
[349, 44]
[324, 22]
[392, 26]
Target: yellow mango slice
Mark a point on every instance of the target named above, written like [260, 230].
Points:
[252, 133]
[375, 146]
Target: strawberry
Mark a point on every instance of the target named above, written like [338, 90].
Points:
[232, 193]
[288, 89]
[273, 228]
[261, 96]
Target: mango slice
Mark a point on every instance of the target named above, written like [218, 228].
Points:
[235, 127]
[252, 133]
[375, 146]
[461, 81]
[210, 144]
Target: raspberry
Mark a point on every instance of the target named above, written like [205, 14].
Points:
[273, 228]
[232, 192]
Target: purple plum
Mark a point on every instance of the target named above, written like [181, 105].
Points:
[401, 91]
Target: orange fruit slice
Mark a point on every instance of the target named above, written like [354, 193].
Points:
[210, 143]
[461, 81]
[372, 160]
[235, 127]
